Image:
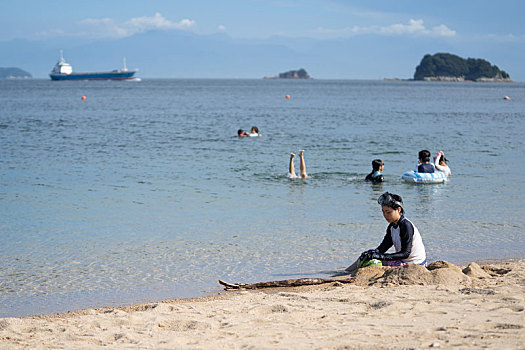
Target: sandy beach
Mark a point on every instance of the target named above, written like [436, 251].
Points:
[444, 306]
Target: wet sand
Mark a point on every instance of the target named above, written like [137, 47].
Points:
[445, 306]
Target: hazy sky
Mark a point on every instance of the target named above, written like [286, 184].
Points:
[479, 20]
[493, 30]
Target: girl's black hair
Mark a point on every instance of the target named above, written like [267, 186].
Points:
[376, 164]
[440, 159]
[398, 199]
[391, 200]
[424, 156]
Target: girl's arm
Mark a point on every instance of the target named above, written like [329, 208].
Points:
[387, 242]
[440, 167]
[406, 233]
[436, 162]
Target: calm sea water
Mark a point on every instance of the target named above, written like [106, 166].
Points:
[143, 192]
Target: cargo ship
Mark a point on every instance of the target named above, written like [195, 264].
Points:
[64, 71]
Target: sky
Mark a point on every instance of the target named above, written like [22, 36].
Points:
[478, 23]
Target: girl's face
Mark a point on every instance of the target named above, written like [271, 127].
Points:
[390, 214]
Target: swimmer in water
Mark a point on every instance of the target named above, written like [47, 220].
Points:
[375, 175]
[254, 132]
[440, 162]
[424, 165]
[242, 133]
[302, 165]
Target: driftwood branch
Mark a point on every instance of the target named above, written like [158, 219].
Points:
[283, 283]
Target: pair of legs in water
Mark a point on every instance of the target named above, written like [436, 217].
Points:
[302, 166]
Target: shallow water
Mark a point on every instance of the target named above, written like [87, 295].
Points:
[143, 192]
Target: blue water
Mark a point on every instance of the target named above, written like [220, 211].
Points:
[143, 192]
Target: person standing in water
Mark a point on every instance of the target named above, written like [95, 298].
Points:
[302, 166]
[375, 175]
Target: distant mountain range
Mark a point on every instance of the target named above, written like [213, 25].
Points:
[14, 73]
[179, 54]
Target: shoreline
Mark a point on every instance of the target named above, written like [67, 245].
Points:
[442, 306]
[213, 291]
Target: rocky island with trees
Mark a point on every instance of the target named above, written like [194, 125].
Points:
[448, 67]
[14, 73]
[293, 74]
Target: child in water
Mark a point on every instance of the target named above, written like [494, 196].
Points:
[400, 233]
[254, 132]
[440, 162]
[302, 166]
[375, 175]
[424, 165]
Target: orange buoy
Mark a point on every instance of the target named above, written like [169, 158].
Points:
[83, 97]
[287, 96]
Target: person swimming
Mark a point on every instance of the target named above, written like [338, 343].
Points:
[302, 166]
[440, 162]
[424, 165]
[375, 175]
[254, 132]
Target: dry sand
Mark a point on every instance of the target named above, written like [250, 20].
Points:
[392, 308]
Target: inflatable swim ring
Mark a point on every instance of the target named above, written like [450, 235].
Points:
[412, 176]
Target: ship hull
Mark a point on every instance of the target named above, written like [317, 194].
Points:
[94, 76]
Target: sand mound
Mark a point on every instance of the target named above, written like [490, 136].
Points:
[437, 273]
[440, 264]
[449, 277]
[408, 274]
[473, 270]
[364, 276]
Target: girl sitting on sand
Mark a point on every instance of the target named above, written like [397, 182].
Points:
[302, 166]
[400, 233]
